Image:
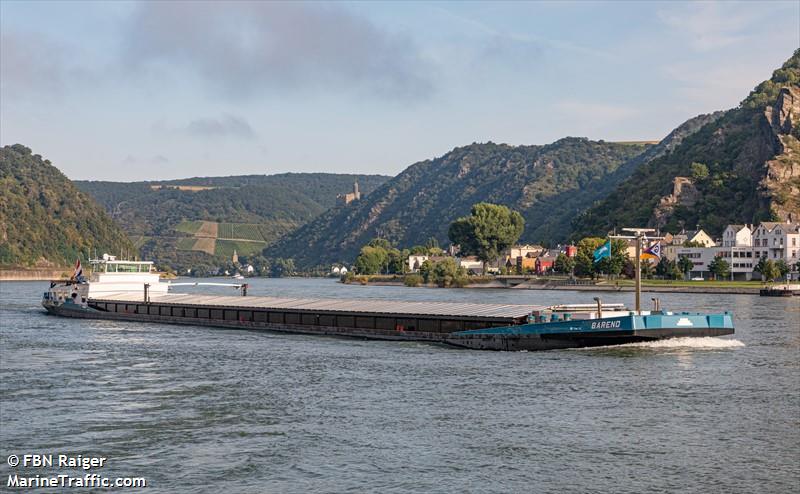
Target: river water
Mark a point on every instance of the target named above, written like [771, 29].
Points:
[196, 409]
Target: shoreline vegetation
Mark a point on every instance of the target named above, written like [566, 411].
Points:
[556, 283]
[487, 282]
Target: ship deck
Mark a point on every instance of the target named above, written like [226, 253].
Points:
[445, 310]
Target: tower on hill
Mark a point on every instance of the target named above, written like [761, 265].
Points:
[344, 199]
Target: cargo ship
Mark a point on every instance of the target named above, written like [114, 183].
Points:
[131, 291]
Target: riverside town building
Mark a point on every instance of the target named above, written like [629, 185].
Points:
[742, 246]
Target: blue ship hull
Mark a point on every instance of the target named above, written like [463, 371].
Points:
[595, 332]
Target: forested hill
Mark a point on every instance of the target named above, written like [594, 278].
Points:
[44, 219]
[547, 184]
[182, 223]
[743, 167]
[279, 202]
[321, 188]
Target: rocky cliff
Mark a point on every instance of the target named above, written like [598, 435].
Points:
[739, 168]
[782, 179]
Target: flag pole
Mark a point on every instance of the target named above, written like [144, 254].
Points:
[638, 274]
[638, 234]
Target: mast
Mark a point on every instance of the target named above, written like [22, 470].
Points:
[638, 274]
[638, 234]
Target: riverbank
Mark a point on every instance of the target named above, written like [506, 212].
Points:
[653, 286]
[33, 274]
[48, 274]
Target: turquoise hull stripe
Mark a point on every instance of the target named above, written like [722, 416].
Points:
[622, 324]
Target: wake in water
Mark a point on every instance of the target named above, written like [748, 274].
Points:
[699, 343]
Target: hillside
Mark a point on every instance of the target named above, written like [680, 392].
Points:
[741, 167]
[547, 184]
[182, 222]
[44, 219]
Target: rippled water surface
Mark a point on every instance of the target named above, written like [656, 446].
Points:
[196, 409]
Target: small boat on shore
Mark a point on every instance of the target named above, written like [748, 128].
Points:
[780, 291]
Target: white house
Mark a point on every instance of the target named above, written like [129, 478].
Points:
[697, 236]
[737, 236]
[414, 263]
[470, 263]
[526, 251]
[777, 241]
[676, 242]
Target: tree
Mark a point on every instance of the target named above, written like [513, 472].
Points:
[426, 270]
[489, 230]
[648, 270]
[782, 267]
[418, 250]
[769, 271]
[720, 268]
[371, 260]
[446, 272]
[396, 263]
[699, 171]
[380, 242]
[759, 267]
[614, 264]
[584, 259]
[685, 265]
[564, 264]
[668, 269]
[281, 267]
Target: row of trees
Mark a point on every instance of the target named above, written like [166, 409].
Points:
[444, 273]
[490, 229]
[379, 256]
[772, 270]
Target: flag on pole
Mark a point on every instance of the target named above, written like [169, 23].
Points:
[603, 251]
[78, 270]
[653, 252]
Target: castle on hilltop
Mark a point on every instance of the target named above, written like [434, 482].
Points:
[345, 199]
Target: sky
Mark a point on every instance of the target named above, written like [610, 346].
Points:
[130, 91]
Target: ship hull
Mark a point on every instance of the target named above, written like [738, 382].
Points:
[527, 337]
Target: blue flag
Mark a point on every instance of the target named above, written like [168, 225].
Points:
[603, 251]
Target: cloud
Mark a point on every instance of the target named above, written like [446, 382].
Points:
[225, 126]
[155, 160]
[710, 26]
[31, 64]
[242, 48]
[519, 46]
